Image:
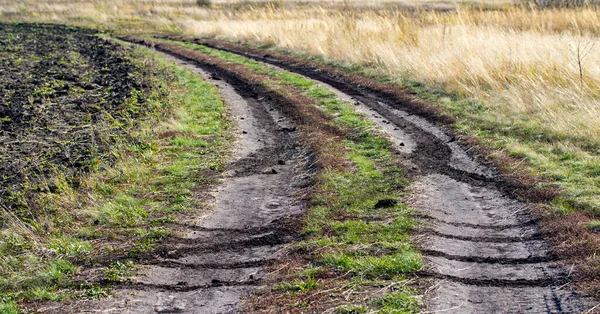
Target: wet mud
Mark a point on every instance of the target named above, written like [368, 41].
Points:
[483, 249]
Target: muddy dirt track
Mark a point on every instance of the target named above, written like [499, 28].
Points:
[483, 250]
[221, 259]
[482, 246]
[216, 262]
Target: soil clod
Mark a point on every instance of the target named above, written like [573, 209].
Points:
[385, 203]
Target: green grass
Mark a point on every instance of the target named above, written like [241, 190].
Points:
[397, 302]
[366, 265]
[123, 208]
[298, 285]
[343, 227]
[118, 271]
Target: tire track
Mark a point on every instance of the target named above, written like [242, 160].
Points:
[222, 258]
[257, 195]
[485, 252]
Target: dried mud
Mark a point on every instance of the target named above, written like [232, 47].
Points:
[485, 253]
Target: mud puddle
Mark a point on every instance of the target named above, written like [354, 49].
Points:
[218, 260]
[484, 251]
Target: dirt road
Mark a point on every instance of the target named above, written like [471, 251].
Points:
[483, 248]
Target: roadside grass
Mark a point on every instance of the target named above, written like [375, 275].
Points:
[346, 231]
[121, 209]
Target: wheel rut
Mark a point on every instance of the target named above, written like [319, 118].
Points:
[218, 260]
[484, 251]
[222, 258]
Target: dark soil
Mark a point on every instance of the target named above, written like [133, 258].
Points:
[485, 251]
[66, 97]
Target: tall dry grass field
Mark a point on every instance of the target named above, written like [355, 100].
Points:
[531, 77]
[520, 65]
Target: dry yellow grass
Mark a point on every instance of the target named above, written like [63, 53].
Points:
[520, 72]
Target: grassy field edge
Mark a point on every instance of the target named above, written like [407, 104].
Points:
[122, 209]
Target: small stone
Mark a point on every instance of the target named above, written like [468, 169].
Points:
[402, 144]
[244, 132]
[273, 205]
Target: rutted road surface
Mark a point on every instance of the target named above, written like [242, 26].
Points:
[484, 251]
[221, 259]
[483, 248]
